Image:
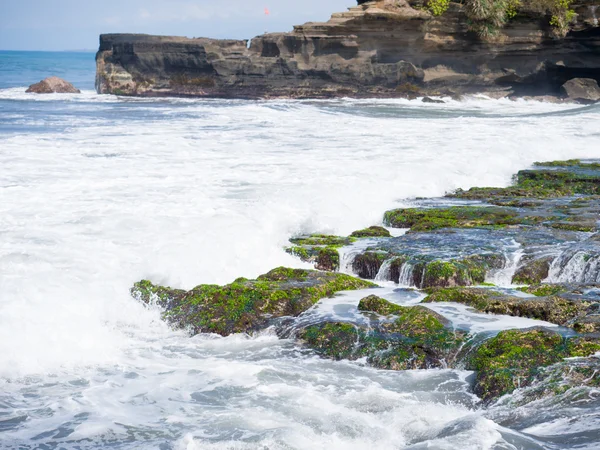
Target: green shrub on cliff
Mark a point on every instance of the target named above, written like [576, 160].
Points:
[438, 7]
[562, 16]
[487, 17]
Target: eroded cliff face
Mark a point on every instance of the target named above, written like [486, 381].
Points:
[382, 48]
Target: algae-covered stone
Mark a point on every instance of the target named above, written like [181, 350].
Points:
[467, 271]
[416, 339]
[327, 259]
[336, 340]
[373, 231]
[245, 305]
[321, 240]
[428, 219]
[319, 249]
[513, 359]
[543, 290]
[378, 305]
[559, 378]
[589, 323]
[548, 180]
[464, 272]
[554, 309]
[324, 258]
[422, 340]
[568, 163]
[424, 271]
[533, 271]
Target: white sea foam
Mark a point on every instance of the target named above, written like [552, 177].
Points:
[98, 192]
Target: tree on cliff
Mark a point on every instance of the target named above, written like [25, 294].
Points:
[488, 17]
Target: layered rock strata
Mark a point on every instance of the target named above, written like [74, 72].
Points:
[384, 48]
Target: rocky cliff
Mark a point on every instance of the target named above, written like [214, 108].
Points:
[387, 48]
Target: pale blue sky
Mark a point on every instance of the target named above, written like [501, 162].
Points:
[76, 24]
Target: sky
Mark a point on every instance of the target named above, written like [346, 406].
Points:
[76, 24]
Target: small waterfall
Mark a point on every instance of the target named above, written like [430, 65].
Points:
[385, 271]
[504, 276]
[406, 275]
[349, 252]
[347, 255]
[575, 266]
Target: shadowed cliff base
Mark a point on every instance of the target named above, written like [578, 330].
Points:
[387, 48]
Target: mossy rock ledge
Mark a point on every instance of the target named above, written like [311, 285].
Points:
[319, 249]
[245, 305]
[517, 358]
[556, 308]
[547, 180]
[406, 338]
[371, 232]
[429, 219]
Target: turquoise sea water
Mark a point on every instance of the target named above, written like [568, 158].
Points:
[98, 192]
[25, 68]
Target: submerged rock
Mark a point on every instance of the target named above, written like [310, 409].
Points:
[245, 305]
[407, 338]
[557, 309]
[578, 377]
[53, 85]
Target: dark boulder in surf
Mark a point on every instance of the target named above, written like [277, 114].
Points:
[582, 90]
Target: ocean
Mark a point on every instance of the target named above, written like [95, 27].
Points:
[98, 192]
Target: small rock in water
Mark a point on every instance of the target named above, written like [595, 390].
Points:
[582, 90]
[53, 85]
[431, 100]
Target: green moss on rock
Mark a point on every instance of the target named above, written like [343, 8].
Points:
[325, 258]
[554, 309]
[514, 359]
[378, 305]
[245, 305]
[334, 340]
[568, 163]
[543, 290]
[563, 178]
[416, 339]
[533, 271]
[458, 272]
[321, 240]
[373, 231]
[428, 219]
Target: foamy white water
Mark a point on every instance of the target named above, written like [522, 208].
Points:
[97, 192]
